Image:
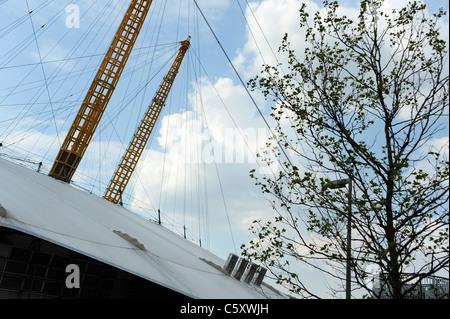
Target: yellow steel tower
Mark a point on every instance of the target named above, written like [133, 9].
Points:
[99, 94]
[129, 161]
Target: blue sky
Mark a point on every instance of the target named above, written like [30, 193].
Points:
[208, 107]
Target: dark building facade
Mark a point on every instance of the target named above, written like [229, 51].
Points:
[33, 268]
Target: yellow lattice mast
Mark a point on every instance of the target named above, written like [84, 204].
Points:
[99, 94]
[129, 161]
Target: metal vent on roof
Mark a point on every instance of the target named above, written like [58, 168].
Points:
[231, 263]
[251, 270]
[260, 276]
[240, 269]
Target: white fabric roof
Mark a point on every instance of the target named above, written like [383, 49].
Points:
[55, 211]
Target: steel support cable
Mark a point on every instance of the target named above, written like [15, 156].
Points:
[268, 44]
[262, 32]
[198, 171]
[80, 41]
[251, 97]
[184, 176]
[113, 123]
[188, 171]
[15, 24]
[165, 154]
[194, 172]
[37, 103]
[78, 45]
[133, 96]
[102, 87]
[48, 148]
[25, 109]
[32, 86]
[36, 112]
[132, 56]
[37, 64]
[177, 172]
[156, 35]
[205, 217]
[188, 154]
[243, 84]
[33, 129]
[6, 30]
[43, 72]
[122, 109]
[136, 147]
[193, 168]
[62, 108]
[178, 20]
[156, 31]
[251, 32]
[205, 207]
[38, 83]
[14, 152]
[163, 174]
[204, 201]
[217, 170]
[75, 47]
[67, 76]
[12, 53]
[144, 87]
[208, 129]
[231, 117]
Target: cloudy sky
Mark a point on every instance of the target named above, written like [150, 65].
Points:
[196, 167]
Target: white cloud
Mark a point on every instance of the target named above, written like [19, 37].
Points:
[183, 178]
[440, 144]
[269, 20]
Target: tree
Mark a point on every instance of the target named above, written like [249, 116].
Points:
[366, 101]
